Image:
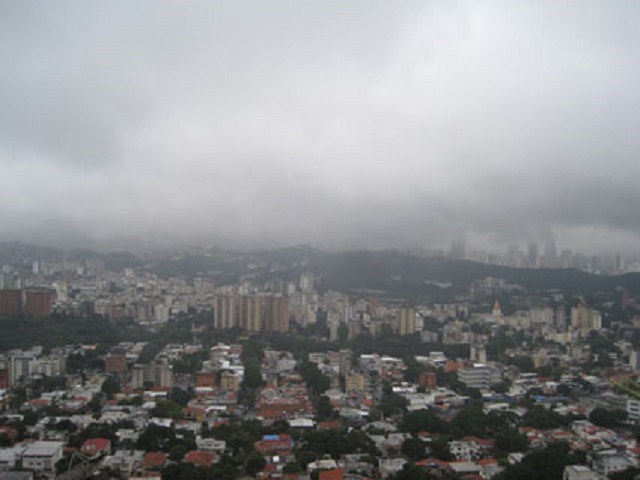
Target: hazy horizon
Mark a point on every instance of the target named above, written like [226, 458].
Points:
[340, 125]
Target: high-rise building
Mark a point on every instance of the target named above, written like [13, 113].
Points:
[479, 376]
[205, 379]
[225, 312]
[458, 249]
[532, 254]
[276, 313]
[306, 282]
[158, 374]
[115, 362]
[253, 313]
[585, 319]
[428, 380]
[21, 367]
[137, 376]
[250, 313]
[478, 353]
[4, 378]
[229, 381]
[38, 303]
[163, 374]
[354, 382]
[406, 321]
[10, 302]
[550, 250]
[496, 314]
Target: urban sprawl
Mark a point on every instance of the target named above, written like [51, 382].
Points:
[128, 374]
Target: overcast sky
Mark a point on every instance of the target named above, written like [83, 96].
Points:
[334, 123]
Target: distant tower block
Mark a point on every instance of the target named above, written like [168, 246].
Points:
[532, 254]
[306, 282]
[406, 321]
[481, 355]
[428, 380]
[458, 250]
[496, 313]
[478, 353]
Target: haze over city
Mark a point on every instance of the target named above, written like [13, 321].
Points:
[339, 124]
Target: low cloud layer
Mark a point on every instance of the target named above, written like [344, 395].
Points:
[341, 124]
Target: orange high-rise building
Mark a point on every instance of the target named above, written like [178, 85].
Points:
[38, 303]
[115, 362]
[10, 302]
[4, 378]
[428, 380]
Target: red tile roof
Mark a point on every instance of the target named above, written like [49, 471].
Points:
[336, 474]
[94, 446]
[154, 459]
[329, 425]
[200, 458]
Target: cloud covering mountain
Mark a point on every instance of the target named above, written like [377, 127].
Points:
[357, 123]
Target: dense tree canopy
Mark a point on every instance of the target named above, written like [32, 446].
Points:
[423, 420]
[544, 464]
[607, 418]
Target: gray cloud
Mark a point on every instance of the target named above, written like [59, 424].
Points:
[337, 123]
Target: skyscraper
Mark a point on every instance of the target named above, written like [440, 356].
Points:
[458, 249]
[10, 302]
[406, 321]
[250, 313]
[253, 313]
[276, 313]
[38, 303]
[532, 254]
[225, 311]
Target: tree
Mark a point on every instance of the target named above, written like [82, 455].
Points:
[156, 439]
[343, 333]
[317, 382]
[412, 472]
[392, 404]
[177, 452]
[607, 418]
[629, 474]
[327, 442]
[564, 390]
[524, 364]
[511, 441]
[187, 471]
[413, 369]
[423, 420]
[502, 420]
[502, 387]
[305, 456]
[252, 376]
[440, 449]
[135, 401]
[254, 463]
[190, 363]
[179, 396]
[66, 425]
[324, 408]
[241, 441]
[166, 409]
[414, 448]
[540, 417]
[292, 467]
[471, 420]
[544, 464]
[360, 442]
[110, 387]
